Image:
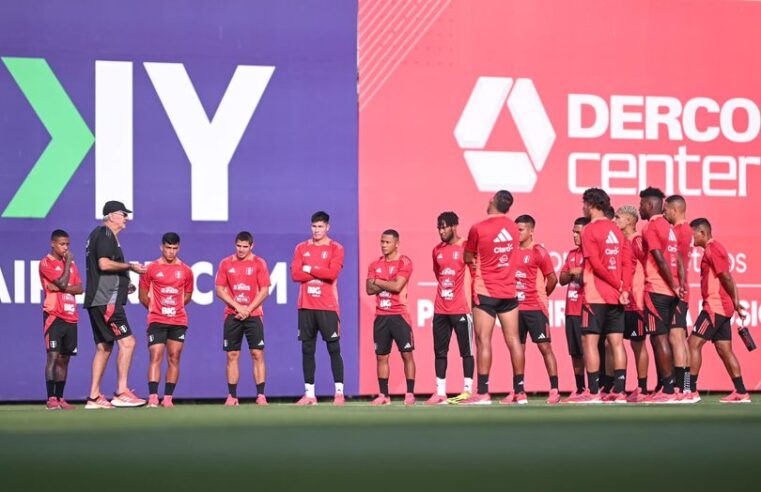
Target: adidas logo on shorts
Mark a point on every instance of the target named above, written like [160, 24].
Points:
[182, 337]
[503, 236]
[541, 336]
[261, 344]
[408, 345]
[462, 319]
[334, 335]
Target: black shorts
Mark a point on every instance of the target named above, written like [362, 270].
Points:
[602, 319]
[680, 315]
[495, 306]
[160, 333]
[634, 326]
[313, 320]
[109, 323]
[60, 335]
[534, 323]
[573, 335]
[714, 327]
[443, 324]
[392, 328]
[659, 312]
[252, 327]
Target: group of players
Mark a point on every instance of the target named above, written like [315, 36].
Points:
[621, 284]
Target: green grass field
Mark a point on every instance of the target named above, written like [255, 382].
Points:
[358, 447]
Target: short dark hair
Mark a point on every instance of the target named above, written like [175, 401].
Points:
[245, 236]
[58, 233]
[651, 192]
[320, 216]
[503, 200]
[170, 238]
[597, 198]
[448, 218]
[610, 213]
[526, 219]
[582, 221]
[391, 232]
[701, 222]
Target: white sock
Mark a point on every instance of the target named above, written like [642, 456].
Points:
[468, 385]
[339, 388]
[309, 390]
[441, 387]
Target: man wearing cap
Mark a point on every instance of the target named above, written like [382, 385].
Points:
[108, 285]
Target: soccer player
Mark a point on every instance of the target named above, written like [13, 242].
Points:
[662, 288]
[607, 280]
[165, 289]
[634, 322]
[451, 308]
[571, 275]
[387, 279]
[108, 285]
[720, 301]
[316, 265]
[675, 212]
[534, 281]
[491, 249]
[60, 280]
[242, 283]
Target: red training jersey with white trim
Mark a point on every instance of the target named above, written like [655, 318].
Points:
[494, 242]
[319, 287]
[603, 244]
[387, 303]
[637, 299]
[532, 266]
[659, 235]
[243, 279]
[167, 284]
[716, 299]
[683, 233]
[453, 277]
[59, 304]
[573, 297]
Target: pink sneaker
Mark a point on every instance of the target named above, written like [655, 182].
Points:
[614, 397]
[409, 399]
[64, 405]
[688, 398]
[436, 400]
[636, 396]
[573, 397]
[339, 400]
[514, 399]
[588, 398]
[381, 400]
[735, 397]
[261, 400]
[52, 403]
[306, 400]
[127, 399]
[664, 399]
[554, 397]
[477, 399]
[166, 402]
[97, 403]
[231, 402]
[153, 401]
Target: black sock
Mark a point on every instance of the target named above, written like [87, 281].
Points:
[169, 389]
[668, 385]
[440, 365]
[580, 382]
[383, 385]
[50, 387]
[336, 362]
[739, 385]
[518, 383]
[153, 387]
[687, 386]
[642, 383]
[59, 386]
[553, 382]
[679, 377]
[483, 384]
[694, 383]
[608, 385]
[410, 386]
[259, 388]
[619, 380]
[468, 366]
[233, 389]
[593, 379]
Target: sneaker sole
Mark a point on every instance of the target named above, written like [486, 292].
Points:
[97, 407]
[736, 401]
[472, 404]
[121, 404]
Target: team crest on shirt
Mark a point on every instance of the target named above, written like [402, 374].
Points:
[456, 255]
[249, 270]
[324, 255]
[390, 270]
[178, 275]
[525, 259]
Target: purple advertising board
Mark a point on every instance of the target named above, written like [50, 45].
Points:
[205, 118]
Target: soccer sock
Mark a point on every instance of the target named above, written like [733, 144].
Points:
[668, 385]
[59, 386]
[50, 386]
[694, 383]
[260, 388]
[483, 384]
[642, 383]
[307, 360]
[739, 385]
[309, 390]
[687, 387]
[468, 366]
[440, 366]
[679, 377]
[169, 389]
[339, 388]
[619, 380]
[410, 386]
[441, 387]
[606, 382]
[518, 383]
[336, 361]
[233, 389]
[594, 382]
[153, 387]
[467, 385]
[553, 382]
[579, 382]
[383, 385]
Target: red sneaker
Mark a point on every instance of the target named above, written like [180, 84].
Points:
[514, 399]
[166, 402]
[64, 405]
[153, 401]
[339, 400]
[231, 402]
[306, 400]
[52, 404]
[127, 399]
[261, 400]
[477, 399]
[588, 398]
[573, 397]
[554, 397]
[614, 397]
[409, 399]
[97, 403]
[735, 397]
[664, 399]
[381, 400]
[637, 396]
[688, 398]
[436, 400]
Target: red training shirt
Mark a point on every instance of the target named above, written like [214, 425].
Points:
[243, 279]
[167, 284]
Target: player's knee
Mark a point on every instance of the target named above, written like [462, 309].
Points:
[308, 347]
[257, 355]
[173, 358]
[127, 343]
[233, 355]
[383, 357]
[334, 347]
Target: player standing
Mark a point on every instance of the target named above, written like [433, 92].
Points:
[165, 289]
[316, 265]
[60, 281]
[242, 283]
[387, 279]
